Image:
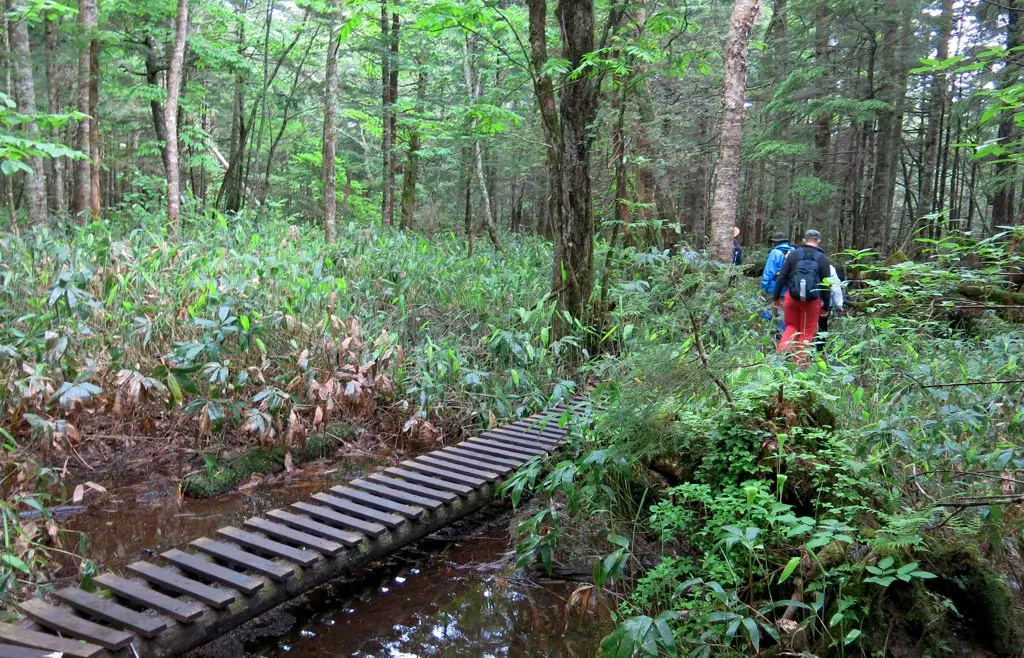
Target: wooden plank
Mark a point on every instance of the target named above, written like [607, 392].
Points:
[525, 453]
[199, 565]
[11, 651]
[480, 445]
[391, 493]
[550, 431]
[172, 580]
[341, 520]
[432, 482]
[443, 473]
[236, 556]
[63, 621]
[452, 465]
[408, 511]
[488, 449]
[529, 434]
[426, 492]
[271, 529]
[463, 460]
[263, 544]
[114, 613]
[185, 612]
[23, 637]
[360, 511]
[482, 457]
[307, 524]
[514, 443]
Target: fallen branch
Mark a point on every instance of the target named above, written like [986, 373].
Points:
[699, 344]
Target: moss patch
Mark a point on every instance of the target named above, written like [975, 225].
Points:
[220, 477]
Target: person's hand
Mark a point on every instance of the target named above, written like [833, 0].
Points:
[823, 313]
[777, 304]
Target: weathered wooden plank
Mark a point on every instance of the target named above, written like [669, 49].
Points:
[360, 511]
[514, 443]
[235, 555]
[171, 580]
[426, 492]
[368, 499]
[23, 637]
[346, 537]
[550, 431]
[183, 611]
[341, 520]
[385, 491]
[285, 533]
[199, 565]
[432, 482]
[64, 621]
[11, 651]
[266, 545]
[489, 449]
[443, 473]
[528, 434]
[114, 613]
[525, 453]
[462, 460]
[482, 457]
[476, 470]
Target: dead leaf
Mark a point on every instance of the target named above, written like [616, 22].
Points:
[492, 422]
[318, 416]
[95, 487]
[288, 466]
[78, 495]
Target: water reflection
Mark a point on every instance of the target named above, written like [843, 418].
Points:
[460, 604]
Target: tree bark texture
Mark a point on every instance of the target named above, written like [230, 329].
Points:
[412, 159]
[330, 128]
[389, 48]
[1004, 201]
[174, 74]
[727, 187]
[95, 154]
[930, 153]
[25, 97]
[58, 203]
[473, 90]
[87, 18]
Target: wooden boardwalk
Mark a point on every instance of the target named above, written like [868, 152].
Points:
[166, 607]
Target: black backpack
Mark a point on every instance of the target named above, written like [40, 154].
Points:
[805, 281]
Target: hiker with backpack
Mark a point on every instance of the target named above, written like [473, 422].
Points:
[776, 257]
[806, 296]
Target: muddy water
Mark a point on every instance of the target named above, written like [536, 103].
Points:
[133, 523]
[457, 600]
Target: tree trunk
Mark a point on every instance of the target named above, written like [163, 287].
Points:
[823, 123]
[467, 184]
[389, 48]
[473, 89]
[412, 159]
[87, 18]
[171, 117]
[723, 210]
[544, 90]
[1003, 203]
[330, 129]
[25, 96]
[57, 200]
[95, 155]
[231, 187]
[930, 149]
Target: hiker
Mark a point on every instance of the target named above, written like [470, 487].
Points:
[772, 267]
[801, 281]
[737, 248]
[836, 307]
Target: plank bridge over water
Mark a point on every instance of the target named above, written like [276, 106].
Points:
[189, 597]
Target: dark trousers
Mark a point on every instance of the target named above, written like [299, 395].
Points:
[822, 327]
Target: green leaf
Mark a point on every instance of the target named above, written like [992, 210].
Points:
[14, 562]
[174, 387]
[790, 568]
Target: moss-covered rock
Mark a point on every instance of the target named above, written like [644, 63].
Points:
[980, 595]
[220, 477]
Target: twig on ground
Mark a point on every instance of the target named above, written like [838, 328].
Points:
[699, 344]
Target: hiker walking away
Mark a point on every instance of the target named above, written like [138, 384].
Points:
[836, 306]
[806, 297]
[737, 248]
[772, 267]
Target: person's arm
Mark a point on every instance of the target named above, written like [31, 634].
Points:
[837, 289]
[784, 273]
[771, 271]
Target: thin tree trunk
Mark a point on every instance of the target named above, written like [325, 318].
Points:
[412, 159]
[25, 96]
[58, 202]
[174, 74]
[823, 123]
[1005, 170]
[387, 107]
[723, 211]
[930, 150]
[8, 181]
[545, 92]
[87, 18]
[95, 154]
[330, 129]
[467, 184]
[473, 89]
[231, 187]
